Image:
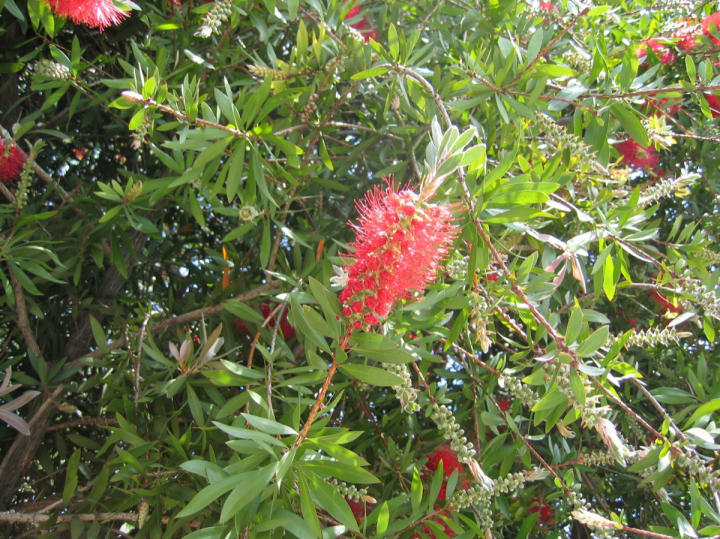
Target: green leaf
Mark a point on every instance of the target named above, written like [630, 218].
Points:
[208, 495]
[269, 426]
[416, 490]
[371, 375]
[370, 73]
[383, 519]
[380, 348]
[630, 123]
[393, 42]
[327, 497]
[342, 471]
[592, 344]
[307, 507]
[552, 399]
[249, 486]
[243, 311]
[575, 325]
[609, 277]
[71, 476]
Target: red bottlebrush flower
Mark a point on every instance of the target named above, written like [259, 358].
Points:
[711, 23]
[448, 458]
[656, 108]
[666, 55]
[686, 38]
[637, 156]
[94, 13]
[358, 508]
[493, 276]
[288, 331]
[538, 505]
[714, 104]
[547, 6]
[665, 303]
[12, 160]
[396, 252]
[362, 25]
[503, 403]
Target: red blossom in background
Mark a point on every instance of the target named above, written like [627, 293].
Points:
[714, 104]
[94, 13]
[362, 26]
[503, 403]
[656, 108]
[400, 241]
[450, 463]
[686, 38]
[12, 160]
[538, 505]
[664, 302]
[711, 22]
[358, 508]
[265, 308]
[666, 55]
[546, 6]
[637, 156]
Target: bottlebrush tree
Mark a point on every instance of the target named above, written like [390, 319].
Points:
[331, 268]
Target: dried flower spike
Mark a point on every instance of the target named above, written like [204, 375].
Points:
[400, 241]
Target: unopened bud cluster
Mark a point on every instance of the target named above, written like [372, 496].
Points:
[479, 321]
[695, 467]
[711, 257]
[349, 491]
[594, 520]
[700, 295]
[404, 392]
[219, 13]
[578, 61]
[599, 458]
[264, 72]
[23, 186]
[559, 137]
[667, 187]
[52, 70]
[519, 391]
[477, 497]
[654, 336]
[452, 432]
[457, 267]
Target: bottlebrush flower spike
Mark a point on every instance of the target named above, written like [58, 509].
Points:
[12, 160]
[638, 156]
[711, 27]
[400, 241]
[94, 13]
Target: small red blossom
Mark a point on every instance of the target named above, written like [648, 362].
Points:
[265, 308]
[711, 25]
[493, 276]
[686, 38]
[663, 106]
[448, 458]
[396, 252]
[666, 55]
[714, 104]
[94, 13]
[547, 6]
[641, 157]
[362, 25]
[538, 505]
[503, 403]
[665, 303]
[12, 161]
[358, 508]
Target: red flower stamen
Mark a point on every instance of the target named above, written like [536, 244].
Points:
[12, 160]
[94, 13]
[396, 252]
